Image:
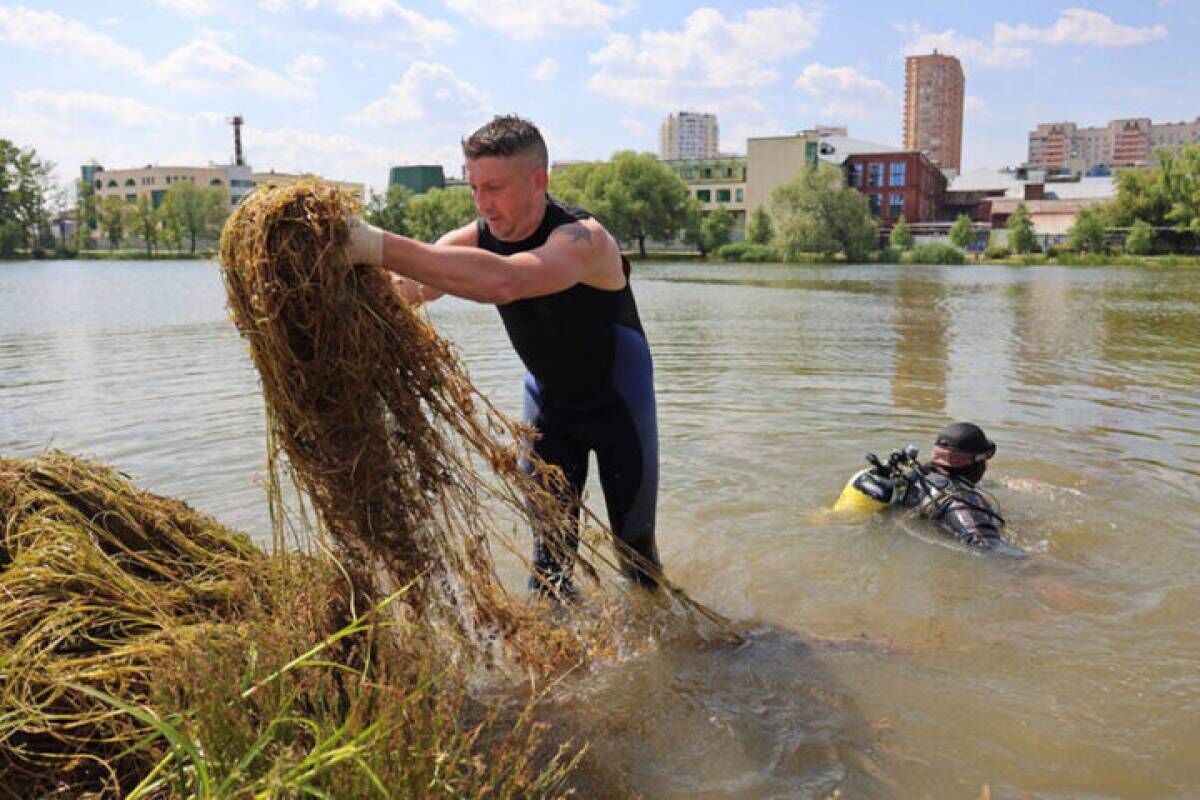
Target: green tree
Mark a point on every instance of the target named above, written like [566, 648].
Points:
[1088, 232]
[637, 197]
[28, 187]
[1140, 241]
[692, 232]
[1020, 231]
[387, 210]
[570, 183]
[816, 213]
[10, 229]
[634, 195]
[146, 221]
[901, 237]
[1141, 194]
[430, 215]
[87, 212]
[198, 211]
[716, 228]
[114, 215]
[759, 230]
[1181, 184]
[962, 233]
[1161, 196]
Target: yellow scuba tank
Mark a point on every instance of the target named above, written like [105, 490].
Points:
[865, 493]
[873, 489]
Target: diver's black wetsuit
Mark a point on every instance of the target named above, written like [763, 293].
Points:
[589, 387]
[954, 505]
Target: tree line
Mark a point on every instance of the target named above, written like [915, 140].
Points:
[187, 214]
[31, 201]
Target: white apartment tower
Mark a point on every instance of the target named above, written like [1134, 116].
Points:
[688, 134]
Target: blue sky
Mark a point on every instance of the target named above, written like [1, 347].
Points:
[347, 88]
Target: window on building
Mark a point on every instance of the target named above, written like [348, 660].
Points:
[723, 195]
[112, 184]
[875, 175]
[244, 184]
[99, 184]
[708, 172]
[737, 195]
[130, 182]
[896, 174]
[704, 195]
[896, 204]
[131, 198]
[854, 177]
[876, 202]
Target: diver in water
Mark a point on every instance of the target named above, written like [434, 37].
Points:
[945, 490]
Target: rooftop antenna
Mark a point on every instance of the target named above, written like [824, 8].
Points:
[236, 121]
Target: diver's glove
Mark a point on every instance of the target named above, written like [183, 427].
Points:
[365, 243]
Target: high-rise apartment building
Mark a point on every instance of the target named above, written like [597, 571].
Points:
[934, 88]
[688, 134]
[1065, 147]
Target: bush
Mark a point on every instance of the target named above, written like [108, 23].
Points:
[747, 251]
[1140, 241]
[901, 237]
[888, 255]
[936, 253]
[1056, 250]
[996, 251]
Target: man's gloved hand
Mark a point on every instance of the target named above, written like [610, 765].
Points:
[365, 245]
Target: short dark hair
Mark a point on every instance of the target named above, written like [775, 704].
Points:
[506, 136]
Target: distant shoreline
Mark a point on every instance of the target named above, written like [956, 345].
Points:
[1029, 260]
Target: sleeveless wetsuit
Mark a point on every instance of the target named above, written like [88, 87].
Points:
[589, 386]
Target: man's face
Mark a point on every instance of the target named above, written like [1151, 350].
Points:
[509, 194]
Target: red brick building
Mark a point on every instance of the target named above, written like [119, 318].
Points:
[897, 182]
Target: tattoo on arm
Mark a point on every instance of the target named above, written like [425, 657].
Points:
[577, 232]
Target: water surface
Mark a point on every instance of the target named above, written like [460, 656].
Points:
[881, 658]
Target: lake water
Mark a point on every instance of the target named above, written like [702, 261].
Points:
[880, 658]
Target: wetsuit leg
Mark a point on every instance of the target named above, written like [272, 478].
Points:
[626, 444]
[554, 550]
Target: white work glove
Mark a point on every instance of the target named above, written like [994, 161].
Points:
[365, 245]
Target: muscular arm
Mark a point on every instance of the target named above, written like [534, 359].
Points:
[417, 293]
[581, 252]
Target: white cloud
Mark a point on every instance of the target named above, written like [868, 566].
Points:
[533, 19]
[966, 48]
[734, 139]
[844, 92]
[711, 60]
[49, 32]
[635, 127]
[1080, 26]
[427, 91]
[204, 65]
[974, 105]
[413, 27]
[124, 111]
[546, 69]
[188, 8]
[306, 65]
[339, 156]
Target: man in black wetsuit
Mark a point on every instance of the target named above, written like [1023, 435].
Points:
[561, 285]
[946, 490]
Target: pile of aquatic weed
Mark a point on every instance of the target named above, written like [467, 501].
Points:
[371, 413]
[147, 651]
